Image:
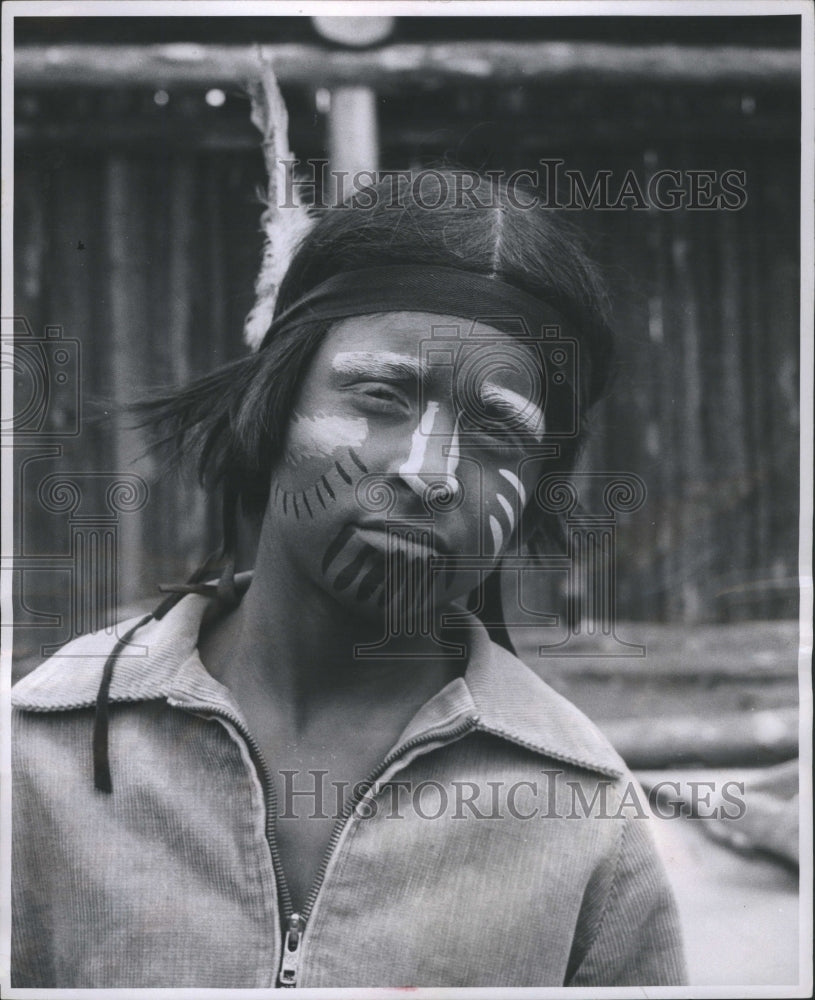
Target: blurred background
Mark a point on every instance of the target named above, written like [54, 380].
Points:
[136, 247]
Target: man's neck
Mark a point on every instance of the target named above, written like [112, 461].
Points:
[292, 645]
[313, 707]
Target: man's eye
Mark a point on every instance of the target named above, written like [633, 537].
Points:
[381, 392]
[380, 397]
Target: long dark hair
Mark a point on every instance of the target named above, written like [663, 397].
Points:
[233, 421]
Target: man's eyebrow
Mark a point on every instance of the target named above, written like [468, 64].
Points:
[380, 364]
[528, 414]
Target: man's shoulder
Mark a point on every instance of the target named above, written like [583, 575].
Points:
[514, 701]
[145, 662]
[69, 678]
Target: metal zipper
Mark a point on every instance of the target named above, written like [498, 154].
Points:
[296, 922]
[291, 952]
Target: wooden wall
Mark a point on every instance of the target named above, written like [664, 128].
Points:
[136, 233]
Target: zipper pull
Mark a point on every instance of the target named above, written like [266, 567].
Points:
[291, 952]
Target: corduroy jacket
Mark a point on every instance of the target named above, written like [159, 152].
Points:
[516, 852]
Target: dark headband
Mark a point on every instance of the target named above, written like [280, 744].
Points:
[447, 291]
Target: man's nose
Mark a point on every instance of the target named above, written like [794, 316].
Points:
[433, 455]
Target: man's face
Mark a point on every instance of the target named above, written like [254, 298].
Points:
[412, 441]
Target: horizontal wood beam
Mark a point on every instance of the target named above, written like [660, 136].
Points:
[426, 66]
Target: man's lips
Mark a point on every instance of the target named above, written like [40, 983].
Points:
[413, 541]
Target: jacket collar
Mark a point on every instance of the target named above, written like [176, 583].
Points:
[502, 696]
[498, 693]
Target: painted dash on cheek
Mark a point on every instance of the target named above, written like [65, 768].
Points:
[319, 495]
[497, 534]
[308, 505]
[357, 460]
[507, 509]
[328, 489]
[513, 480]
[343, 474]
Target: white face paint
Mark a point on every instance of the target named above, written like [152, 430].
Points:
[516, 482]
[506, 506]
[409, 470]
[321, 435]
[523, 411]
[378, 364]
[453, 458]
[362, 409]
[497, 534]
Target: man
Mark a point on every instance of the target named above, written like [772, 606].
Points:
[250, 803]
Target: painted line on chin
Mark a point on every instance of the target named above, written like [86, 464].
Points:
[351, 570]
[336, 546]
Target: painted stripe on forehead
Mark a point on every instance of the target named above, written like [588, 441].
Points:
[379, 364]
[528, 414]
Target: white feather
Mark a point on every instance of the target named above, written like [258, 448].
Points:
[285, 221]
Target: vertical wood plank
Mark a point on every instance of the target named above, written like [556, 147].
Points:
[129, 364]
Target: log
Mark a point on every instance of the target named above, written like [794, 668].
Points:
[731, 653]
[394, 66]
[739, 738]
